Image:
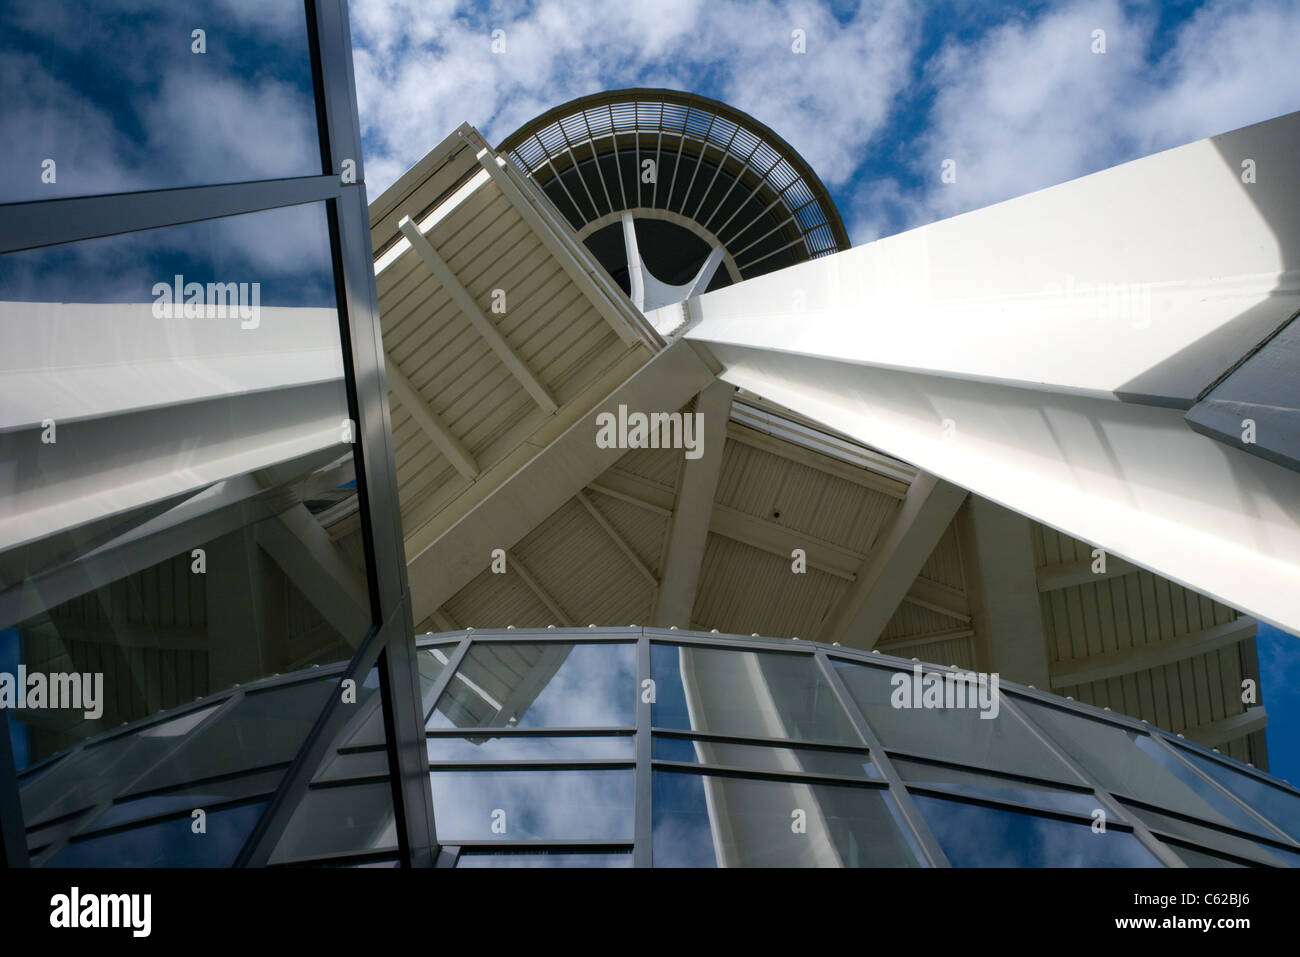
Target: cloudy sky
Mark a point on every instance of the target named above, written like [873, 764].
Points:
[885, 92]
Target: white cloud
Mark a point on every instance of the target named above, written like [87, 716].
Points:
[1028, 104]
[422, 69]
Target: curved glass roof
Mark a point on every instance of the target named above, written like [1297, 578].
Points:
[651, 747]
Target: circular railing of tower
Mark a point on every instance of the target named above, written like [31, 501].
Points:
[694, 173]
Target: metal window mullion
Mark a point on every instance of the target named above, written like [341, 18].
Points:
[1108, 801]
[1219, 787]
[49, 222]
[642, 852]
[916, 822]
[13, 835]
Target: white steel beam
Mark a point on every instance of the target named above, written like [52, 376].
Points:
[689, 532]
[545, 597]
[895, 560]
[1054, 577]
[452, 557]
[998, 563]
[482, 325]
[628, 324]
[1217, 733]
[1146, 281]
[430, 422]
[992, 350]
[1127, 661]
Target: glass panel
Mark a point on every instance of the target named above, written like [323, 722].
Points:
[1280, 806]
[957, 734]
[1202, 858]
[745, 693]
[759, 757]
[541, 685]
[485, 858]
[188, 799]
[262, 729]
[712, 821]
[98, 772]
[1131, 763]
[519, 747]
[994, 788]
[976, 836]
[533, 805]
[168, 843]
[182, 465]
[121, 97]
[339, 820]
[1211, 838]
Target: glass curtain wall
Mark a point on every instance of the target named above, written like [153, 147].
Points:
[196, 491]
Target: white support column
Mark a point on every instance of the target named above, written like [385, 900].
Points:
[896, 558]
[460, 295]
[1041, 353]
[689, 531]
[998, 561]
[430, 422]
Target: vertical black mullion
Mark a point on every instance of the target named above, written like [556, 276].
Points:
[13, 836]
[902, 797]
[376, 472]
[642, 850]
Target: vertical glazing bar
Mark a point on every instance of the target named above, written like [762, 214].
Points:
[376, 470]
[930, 848]
[642, 854]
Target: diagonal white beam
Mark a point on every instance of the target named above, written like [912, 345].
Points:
[441, 567]
[895, 559]
[304, 552]
[544, 596]
[689, 532]
[1217, 733]
[460, 295]
[430, 422]
[1041, 354]
[590, 277]
[617, 539]
[1127, 661]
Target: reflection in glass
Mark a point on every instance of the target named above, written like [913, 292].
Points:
[1131, 763]
[960, 735]
[488, 858]
[339, 820]
[533, 805]
[714, 821]
[758, 757]
[972, 835]
[541, 685]
[995, 788]
[1215, 839]
[519, 747]
[746, 693]
[167, 843]
[120, 95]
[1280, 806]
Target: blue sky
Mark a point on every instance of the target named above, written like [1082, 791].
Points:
[883, 94]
